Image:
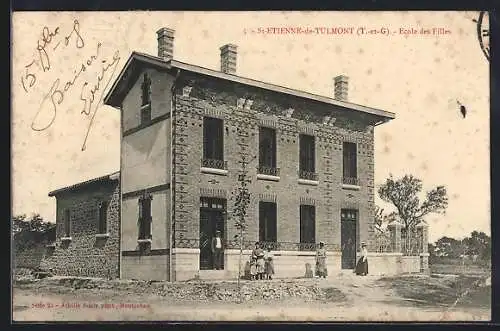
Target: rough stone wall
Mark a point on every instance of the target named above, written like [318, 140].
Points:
[31, 257]
[86, 254]
[241, 127]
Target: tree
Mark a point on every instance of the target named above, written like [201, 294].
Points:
[28, 233]
[479, 244]
[381, 218]
[448, 247]
[242, 197]
[404, 193]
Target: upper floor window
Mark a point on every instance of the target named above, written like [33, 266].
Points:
[307, 166]
[350, 164]
[103, 217]
[145, 217]
[267, 152]
[146, 90]
[146, 100]
[67, 223]
[267, 222]
[307, 225]
[213, 143]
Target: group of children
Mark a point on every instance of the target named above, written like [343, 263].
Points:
[261, 263]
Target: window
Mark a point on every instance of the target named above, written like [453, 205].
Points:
[267, 221]
[348, 215]
[350, 171]
[103, 217]
[307, 224]
[67, 223]
[146, 90]
[212, 203]
[146, 100]
[267, 152]
[307, 157]
[213, 143]
[145, 217]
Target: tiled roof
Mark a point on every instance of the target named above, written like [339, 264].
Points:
[115, 94]
[110, 177]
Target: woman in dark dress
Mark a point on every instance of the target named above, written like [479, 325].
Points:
[362, 266]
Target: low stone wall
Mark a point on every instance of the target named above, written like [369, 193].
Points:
[410, 264]
[384, 263]
[393, 264]
[287, 264]
[31, 258]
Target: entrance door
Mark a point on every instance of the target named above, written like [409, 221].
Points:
[348, 221]
[211, 220]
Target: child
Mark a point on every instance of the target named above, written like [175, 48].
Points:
[269, 263]
[253, 267]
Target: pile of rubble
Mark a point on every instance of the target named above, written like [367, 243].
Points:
[29, 275]
[226, 291]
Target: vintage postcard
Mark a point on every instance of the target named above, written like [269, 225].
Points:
[256, 166]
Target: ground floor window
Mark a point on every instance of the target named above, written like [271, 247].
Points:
[267, 222]
[307, 225]
[145, 217]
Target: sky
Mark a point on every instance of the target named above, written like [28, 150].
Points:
[418, 77]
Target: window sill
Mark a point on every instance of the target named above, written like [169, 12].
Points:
[102, 235]
[351, 187]
[144, 241]
[308, 182]
[66, 239]
[50, 246]
[268, 177]
[214, 171]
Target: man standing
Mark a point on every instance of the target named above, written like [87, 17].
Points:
[217, 249]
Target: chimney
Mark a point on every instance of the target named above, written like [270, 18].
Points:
[165, 43]
[341, 84]
[228, 59]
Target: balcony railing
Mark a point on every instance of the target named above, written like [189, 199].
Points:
[308, 175]
[350, 181]
[214, 164]
[269, 171]
[249, 245]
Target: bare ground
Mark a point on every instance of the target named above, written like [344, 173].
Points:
[347, 298]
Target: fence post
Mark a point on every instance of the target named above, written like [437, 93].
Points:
[423, 231]
[395, 235]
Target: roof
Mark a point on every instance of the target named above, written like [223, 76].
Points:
[115, 95]
[111, 177]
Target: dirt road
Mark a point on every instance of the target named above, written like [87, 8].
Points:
[367, 299]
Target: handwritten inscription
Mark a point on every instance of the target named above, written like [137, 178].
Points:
[43, 61]
[91, 91]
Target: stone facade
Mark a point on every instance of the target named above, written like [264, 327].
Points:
[243, 110]
[163, 158]
[87, 252]
[241, 129]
